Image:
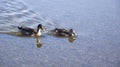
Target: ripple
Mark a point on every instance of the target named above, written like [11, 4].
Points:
[14, 13]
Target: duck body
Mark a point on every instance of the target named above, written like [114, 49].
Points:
[63, 32]
[25, 31]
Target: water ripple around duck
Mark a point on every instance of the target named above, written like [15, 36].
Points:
[14, 13]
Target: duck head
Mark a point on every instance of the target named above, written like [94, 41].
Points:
[71, 32]
[40, 26]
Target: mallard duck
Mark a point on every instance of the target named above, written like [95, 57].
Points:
[25, 31]
[63, 32]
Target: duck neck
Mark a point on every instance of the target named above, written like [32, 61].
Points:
[38, 32]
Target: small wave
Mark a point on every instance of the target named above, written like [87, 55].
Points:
[14, 13]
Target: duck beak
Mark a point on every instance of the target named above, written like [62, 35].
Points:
[42, 27]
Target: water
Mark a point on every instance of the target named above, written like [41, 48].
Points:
[15, 13]
[96, 23]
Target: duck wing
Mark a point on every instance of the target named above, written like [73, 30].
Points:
[26, 31]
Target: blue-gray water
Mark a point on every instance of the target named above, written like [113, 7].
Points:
[96, 22]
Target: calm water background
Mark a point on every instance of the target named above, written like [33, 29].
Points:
[96, 22]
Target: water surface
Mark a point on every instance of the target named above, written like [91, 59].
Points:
[96, 23]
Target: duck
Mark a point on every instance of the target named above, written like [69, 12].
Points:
[63, 32]
[26, 31]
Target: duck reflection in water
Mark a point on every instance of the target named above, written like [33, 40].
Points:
[71, 39]
[38, 42]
